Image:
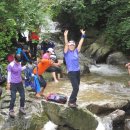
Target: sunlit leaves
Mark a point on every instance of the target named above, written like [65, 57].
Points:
[21, 15]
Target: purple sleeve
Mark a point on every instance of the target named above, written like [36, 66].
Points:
[9, 67]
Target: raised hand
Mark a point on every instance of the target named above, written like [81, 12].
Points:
[66, 32]
[82, 31]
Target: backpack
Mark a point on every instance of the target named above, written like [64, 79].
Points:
[23, 54]
[57, 97]
[27, 76]
[31, 80]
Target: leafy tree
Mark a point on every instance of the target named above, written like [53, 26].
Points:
[20, 15]
[75, 13]
[118, 26]
[110, 17]
[7, 27]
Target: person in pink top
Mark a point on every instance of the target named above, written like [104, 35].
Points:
[53, 69]
[49, 52]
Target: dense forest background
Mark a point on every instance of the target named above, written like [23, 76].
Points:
[110, 17]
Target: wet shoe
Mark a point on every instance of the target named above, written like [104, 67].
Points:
[11, 114]
[73, 105]
[22, 111]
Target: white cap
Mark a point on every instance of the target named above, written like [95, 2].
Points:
[71, 43]
[50, 50]
[53, 57]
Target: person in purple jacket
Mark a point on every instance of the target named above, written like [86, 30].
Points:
[14, 83]
[71, 55]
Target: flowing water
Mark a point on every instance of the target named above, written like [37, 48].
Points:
[102, 83]
[105, 83]
[50, 26]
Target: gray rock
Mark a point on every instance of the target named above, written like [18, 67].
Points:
[127, 124]
[99, 108]
[72, 117]
[116, 58]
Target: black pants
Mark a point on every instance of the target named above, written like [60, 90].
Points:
[74, 77]
[42, 81]
[14, 88]
[33, 49]
[54, 69]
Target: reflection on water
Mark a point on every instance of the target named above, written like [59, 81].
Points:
[104, 83]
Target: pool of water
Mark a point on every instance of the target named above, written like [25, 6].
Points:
[104, 83]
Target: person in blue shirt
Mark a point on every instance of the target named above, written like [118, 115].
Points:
[71, 55]
[25, 54]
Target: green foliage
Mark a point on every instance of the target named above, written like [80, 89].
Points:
[118, 26]
[108, 16]
[74, 12]
[7, 26]
[20, 15]
[33, 14]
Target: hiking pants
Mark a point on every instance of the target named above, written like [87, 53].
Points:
[74, 77]
[14, 88]
[42, 81]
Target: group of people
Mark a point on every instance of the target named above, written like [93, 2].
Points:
[48, 63]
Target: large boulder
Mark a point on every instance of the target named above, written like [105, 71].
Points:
[105, 107]
[98, 50]
[117, 58]
[34, 119]
[72, 117]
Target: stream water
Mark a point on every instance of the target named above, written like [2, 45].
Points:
[104, 83]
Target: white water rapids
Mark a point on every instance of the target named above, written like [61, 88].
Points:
[93, 82]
